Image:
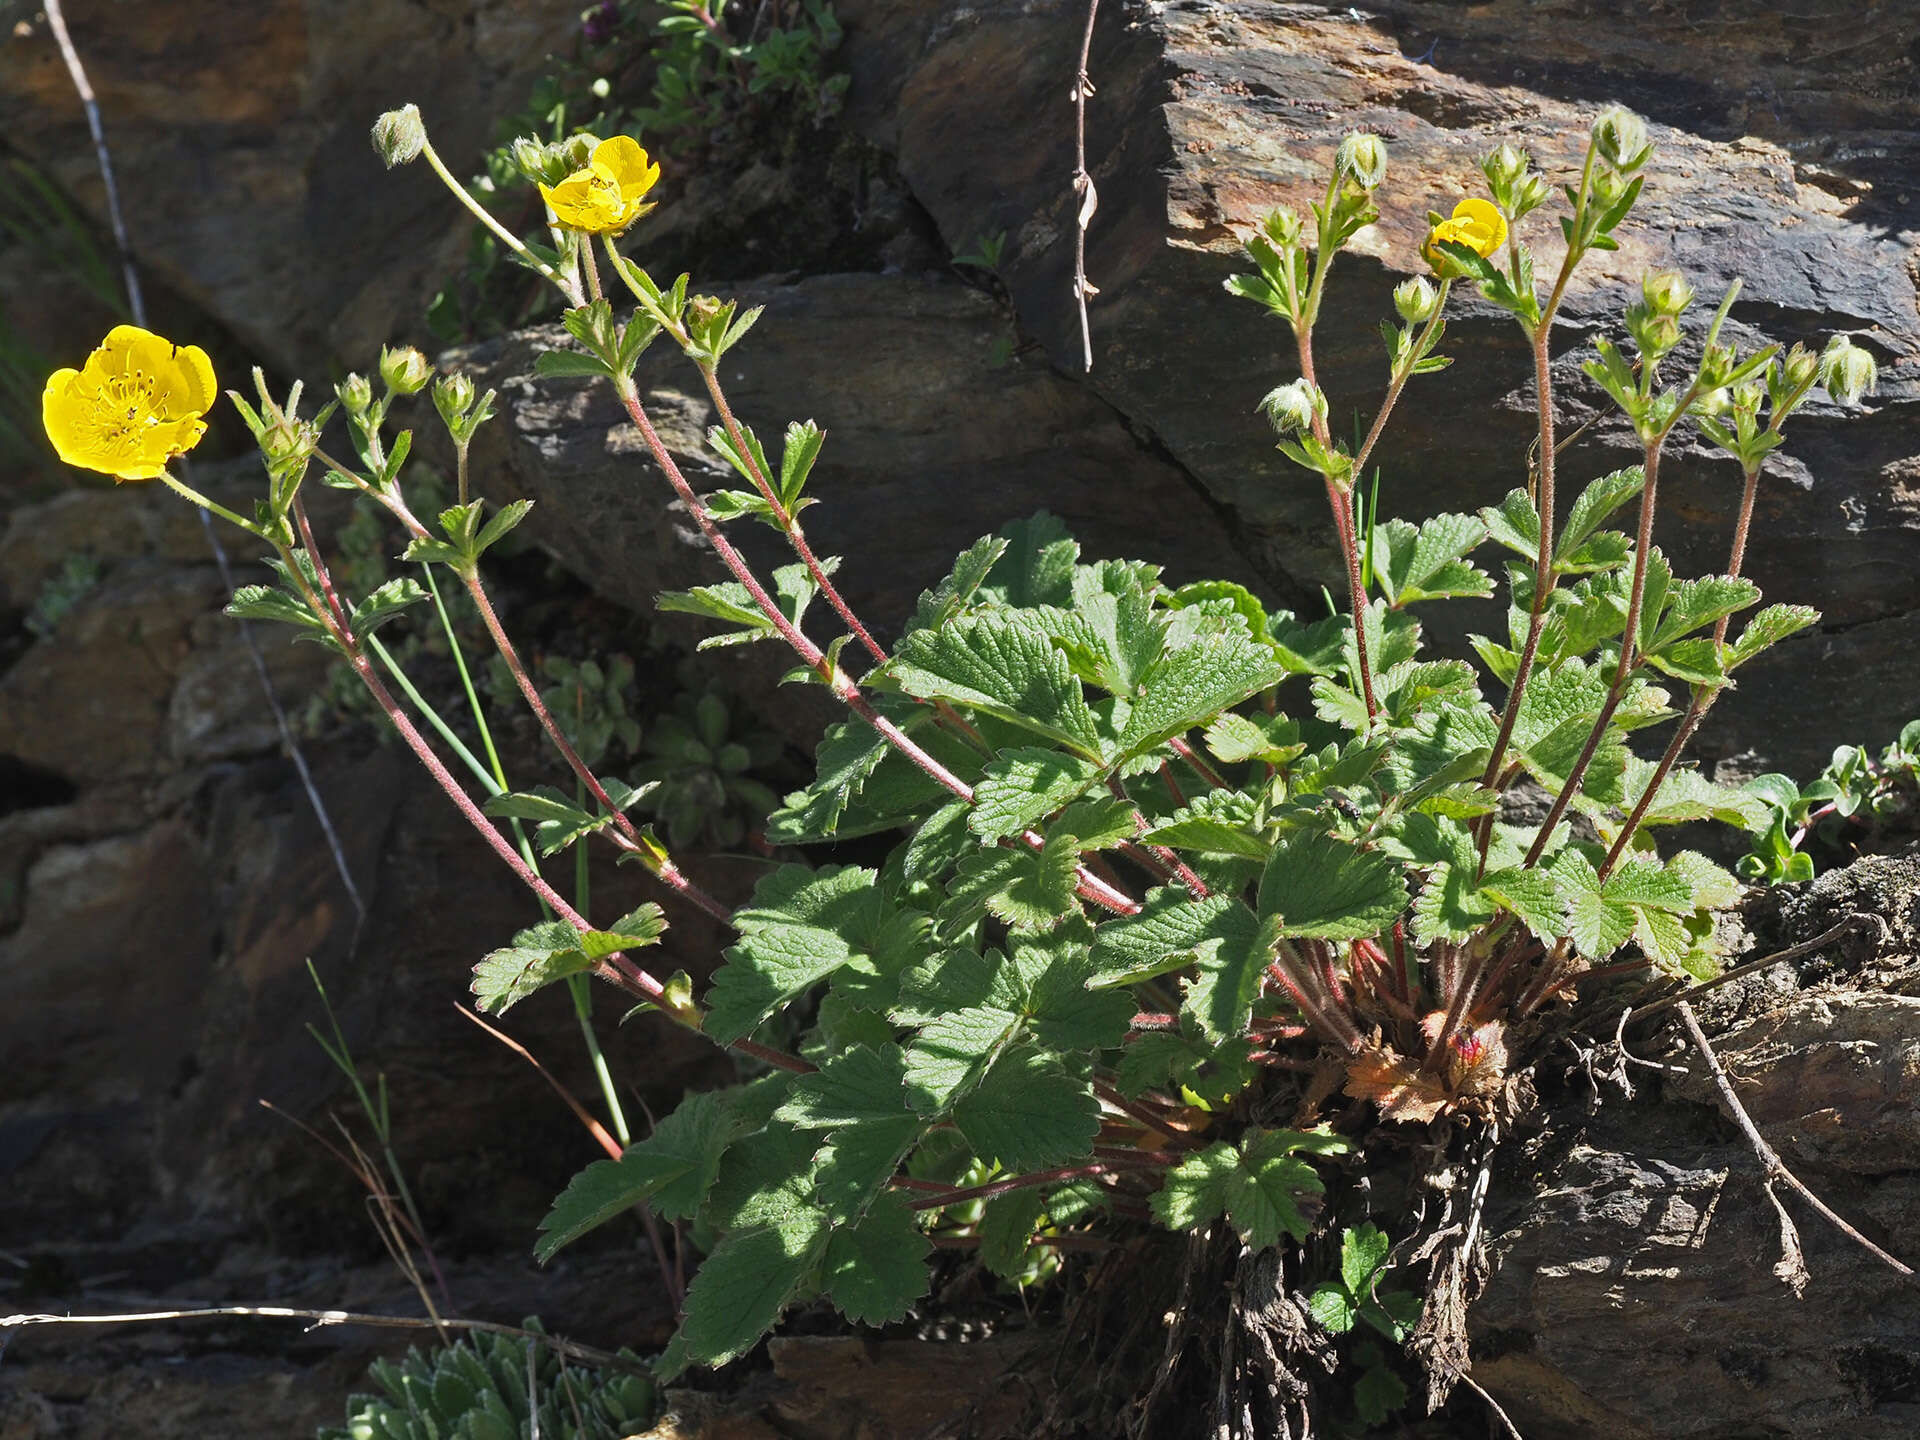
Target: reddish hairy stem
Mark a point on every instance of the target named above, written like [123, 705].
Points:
[1205, 771]
[1342, 506]
[1703, 699]
[1543, 576]
[1090, 886]
[789, 522]
[1643, 543]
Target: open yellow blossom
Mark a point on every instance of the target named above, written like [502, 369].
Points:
[1476, 224]
[135, 405]
[605, 198]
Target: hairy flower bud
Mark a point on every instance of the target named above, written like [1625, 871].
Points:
[1620, 139]
[538, 164]
[1530, 194]
[356, 394]
[1294, 407]
[1846, 371]
[1801, 367]
[1504, 166]
[1362, 158]
[1717, 362]
[405, 371]
[399, 135]
[1415, 299]
[1667, 291]
[1281, 227]
[452, 396]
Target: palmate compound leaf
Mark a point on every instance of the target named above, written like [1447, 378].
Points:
[1005, 669]
[554, 950]
[1262, 1187]
[1318, 886]
[1029, 1113]
[672, 1170]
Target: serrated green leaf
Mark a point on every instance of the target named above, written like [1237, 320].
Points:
[1591, 508]
[1333, 1309]
[1023, 784]
[874, 1271]
[1007, 1223]
[1319, 886]
[1235, 739]
[1260, 1188]
[1028, 1112]
[1425, 563]
[986, 661]
[859, 1087]
[537, 957]
[1037, 566]
[1769, 627]
[672, 1169]
[1363, 1258]
[742, 1289]
[1192, 685]
[1169, 933]
[384, 604]
[956, 979]
[955, 592]
[950, 1054]
[264, 602]
[1062, 1013]
[767, 968]
[848, 754]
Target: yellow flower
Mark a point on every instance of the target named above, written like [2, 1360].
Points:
[135, 405]
[1476, 224]
[605, 198]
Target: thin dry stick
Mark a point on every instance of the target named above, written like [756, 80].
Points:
[1083, 187]
[1493, 1405]
[585, 1354]
[1770, 1160]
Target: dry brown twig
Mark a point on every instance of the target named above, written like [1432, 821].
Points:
[1792, 1268]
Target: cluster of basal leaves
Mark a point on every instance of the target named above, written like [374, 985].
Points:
[1852, 804]
[967, 1011]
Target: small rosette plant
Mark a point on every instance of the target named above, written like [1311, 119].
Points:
[1170, 876]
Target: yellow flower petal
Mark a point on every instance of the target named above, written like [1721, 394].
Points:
[605, 197]
[135, 405]
[1477, 224]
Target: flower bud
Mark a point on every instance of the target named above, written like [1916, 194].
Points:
[1362, 158]
[1415, 299]
[1608, 187]
[1714, 403]
[1747, 396]
[1504, 167]
[399, 135]
[703, 309]
[1530, 194]
[574, 153]
[405, 371]
[1667, 291]
[1620, 139]
[1801, 367]
[530, 159]
[1294, 407]
[356, 394]
[452, 396]
[1282, 228]
[1717, 362]
[1846, 371]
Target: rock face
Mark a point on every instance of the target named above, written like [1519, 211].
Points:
[239, 143]
[1777, 161]
[1632, 1292]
